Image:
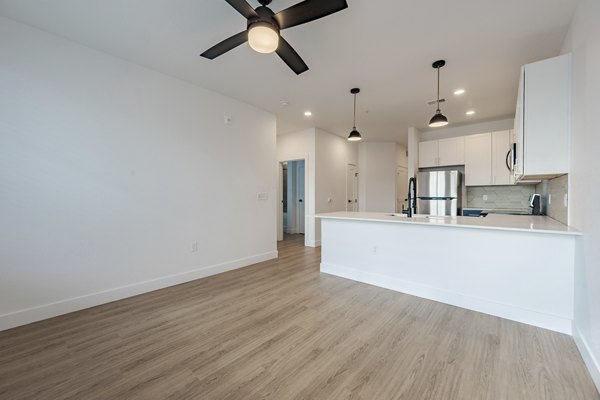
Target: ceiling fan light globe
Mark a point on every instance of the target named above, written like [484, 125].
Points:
[354, 136]
[262, 38]
[438, 120]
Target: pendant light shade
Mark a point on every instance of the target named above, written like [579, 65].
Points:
[438, 119]
[354, 136]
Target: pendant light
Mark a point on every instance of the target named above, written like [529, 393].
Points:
[438, 119]
[354, 136]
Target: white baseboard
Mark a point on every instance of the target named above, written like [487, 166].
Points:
[29, 315]
[313, 243]
[590, 360]
[507, 311]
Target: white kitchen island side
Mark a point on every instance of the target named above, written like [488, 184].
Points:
[514, 267]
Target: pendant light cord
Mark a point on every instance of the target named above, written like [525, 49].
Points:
[438, 90]
[354, 127]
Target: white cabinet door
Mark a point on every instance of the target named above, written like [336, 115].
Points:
[428, 154]
[501, 175]
[518, 128]
[542, 121]
[478, 160]
[451, 151]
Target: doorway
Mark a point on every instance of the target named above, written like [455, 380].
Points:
[292, 184]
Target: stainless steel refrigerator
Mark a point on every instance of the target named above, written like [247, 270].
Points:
[439, 193]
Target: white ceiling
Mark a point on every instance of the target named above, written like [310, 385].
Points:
[385, 47]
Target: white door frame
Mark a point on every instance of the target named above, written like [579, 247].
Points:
[280, 201]
[354, 206]
[280, 196]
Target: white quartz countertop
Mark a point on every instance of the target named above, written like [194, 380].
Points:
[523, 223]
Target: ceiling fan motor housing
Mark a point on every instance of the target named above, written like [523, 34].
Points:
[265, 18]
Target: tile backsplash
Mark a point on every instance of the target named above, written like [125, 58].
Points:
[553, 197]
[500, 197]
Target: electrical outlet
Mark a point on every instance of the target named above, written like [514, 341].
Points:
[262, 196]
[194, 247]
[485, 197]
[375, 249]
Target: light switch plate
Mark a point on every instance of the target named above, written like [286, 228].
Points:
[262, 196]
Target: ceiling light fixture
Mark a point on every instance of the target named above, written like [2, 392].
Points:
[263, 37]
[470, 112]
[458, 92]
[438, 119]
[354, 136]
[307, 113]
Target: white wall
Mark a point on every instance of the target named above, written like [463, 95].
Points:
[471, 129]
[109, 171]
[377, 177]
[301, 146]
[584, 42]
[333, 154]
[401, 156]
[414, 137]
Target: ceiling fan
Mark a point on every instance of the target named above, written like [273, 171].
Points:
[263, 27]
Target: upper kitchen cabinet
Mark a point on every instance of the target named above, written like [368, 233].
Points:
[542, 119]
[478, 160]
[428, 154]
[486, 159]
[441, 153]
[501, 170]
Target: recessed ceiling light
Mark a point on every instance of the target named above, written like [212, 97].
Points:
[458, 92]
[307, 113]
[470, 112]
[285, 103]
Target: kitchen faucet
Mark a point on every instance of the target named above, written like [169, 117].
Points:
[412, 197]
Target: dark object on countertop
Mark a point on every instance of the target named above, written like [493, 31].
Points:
[474, 213]
[471, 213]
[412, 197]
[535, 204]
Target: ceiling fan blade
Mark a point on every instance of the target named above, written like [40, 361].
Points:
[226, 45]
[243, 8]
[290, 57]
[307, 11]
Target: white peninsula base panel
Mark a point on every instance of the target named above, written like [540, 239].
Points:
[522, 276]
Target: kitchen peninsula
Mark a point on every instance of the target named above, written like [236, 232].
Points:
[516, 267]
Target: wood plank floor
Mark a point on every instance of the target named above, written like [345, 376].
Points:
[281, 330]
